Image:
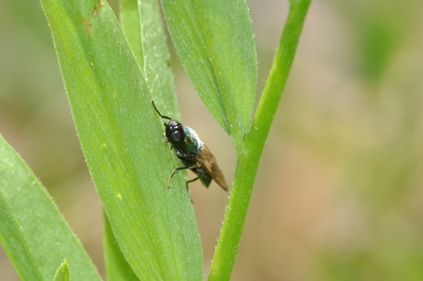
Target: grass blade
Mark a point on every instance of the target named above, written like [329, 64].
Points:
[131, 26]
[214, 40]
[142, 24]
[62, 273]
[121, 138]
[33, 233]
[117, 268]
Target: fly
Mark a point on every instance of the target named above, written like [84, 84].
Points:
[193, 153]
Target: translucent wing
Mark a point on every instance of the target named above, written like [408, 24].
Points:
[206, 161]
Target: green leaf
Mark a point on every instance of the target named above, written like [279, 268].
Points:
[142, 24]
[117, 268]
[131, 26]
[214, 40]
[121, 136]
[62, 273]
[32, 231]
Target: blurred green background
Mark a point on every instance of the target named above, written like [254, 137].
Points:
[339, 191]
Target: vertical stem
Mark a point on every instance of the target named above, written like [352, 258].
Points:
[249, 158]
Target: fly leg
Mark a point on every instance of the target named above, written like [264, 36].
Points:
[178, 169]
[187, 182]
[190, 181]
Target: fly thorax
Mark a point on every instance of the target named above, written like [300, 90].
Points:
[192, 141]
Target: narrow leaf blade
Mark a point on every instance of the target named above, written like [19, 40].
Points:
[62, 273]
[214, 40]
[142, 24]
[117, 268]
[32, 231]
[130, 22]
[121, 134]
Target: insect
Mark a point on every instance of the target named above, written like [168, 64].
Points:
[192, 152]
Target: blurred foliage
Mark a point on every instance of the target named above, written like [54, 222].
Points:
[339, 191]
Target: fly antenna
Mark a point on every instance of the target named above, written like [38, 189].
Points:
[162, 116]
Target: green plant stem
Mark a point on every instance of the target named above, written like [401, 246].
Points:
[248, 160]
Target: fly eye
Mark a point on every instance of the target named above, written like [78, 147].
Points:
[176, 136]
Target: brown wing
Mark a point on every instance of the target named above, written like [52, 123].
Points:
[206, 161]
